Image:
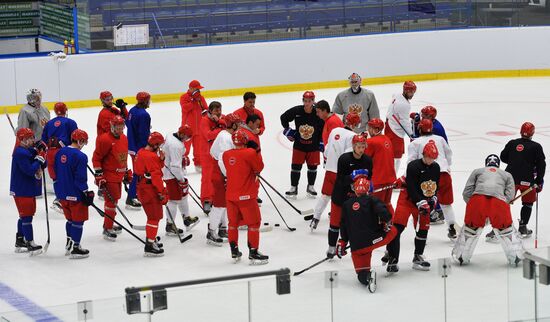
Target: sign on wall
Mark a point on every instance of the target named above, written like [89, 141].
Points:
[129, 35]
[18, 19]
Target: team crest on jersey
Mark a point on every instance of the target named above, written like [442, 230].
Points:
[57, 123]
[428, 188]
[122, 158]
[355, 108]
[519, 147]
[387, 144]
[337, 137]
[232, 161]
[306, 131]
[492, 169]
[355, 206]
[63, 159]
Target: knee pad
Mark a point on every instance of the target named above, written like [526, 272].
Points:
[296, 167]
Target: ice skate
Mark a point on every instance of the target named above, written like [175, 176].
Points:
[117, 229]
[69, 246]
[190, 222]
[172, 230]
[257, 258]
[385, 259]
[452, 232]
[222, 233]
[524, 232]
[313, 224]
[151, 249]
[311, 193]
[133, 204]
[491, 238]
[109, 234]
[292, 193]
[213, 239]
[392, 266]
[235, 252]
[20, 244]
[78, 252]
[158, 243]
[419, 263]
[100, 194]
[436, 217]
[371, 282]
[33, 248]
[56, 206]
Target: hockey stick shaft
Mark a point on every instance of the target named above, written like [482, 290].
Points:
[47, 211]
[537, 221]
[312, 266]
[401, 126]
[192, 190]
[273, 203]
[383, 188]
[522, 194]
[9, 120]
[280, 195]
[174, 223]
[103, 214]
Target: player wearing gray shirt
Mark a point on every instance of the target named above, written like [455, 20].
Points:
[33, 115]
[359, 100]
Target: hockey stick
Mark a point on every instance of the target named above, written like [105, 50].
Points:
[301, 212]
[47, 212]
[289, 228]
[182, 240]
[104, 189]
[523, 194]
[9, 120]
[402, 127]
[316, 264]
[103, 214]
[537, 221]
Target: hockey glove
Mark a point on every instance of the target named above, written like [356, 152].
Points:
[185, 161]
[341, 248]
[321, 146]
[432, 202]
[538, 187]
[290, 134]
[40, 146]
[415, 117]
[423, 207]
[120, 103]
[41, 157]
[356, 174]
[196, 95]
[99, 179]
[163, 198]
[128, 177]
[184, 186]
[400, 182]
[88, 197]
[222, 124]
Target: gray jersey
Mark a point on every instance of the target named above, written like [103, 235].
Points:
[490, 181]
[366, 104]
[33, 118]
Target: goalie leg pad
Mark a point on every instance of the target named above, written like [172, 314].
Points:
[511, 244]
[466, 244]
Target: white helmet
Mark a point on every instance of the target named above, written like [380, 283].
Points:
[34, 96]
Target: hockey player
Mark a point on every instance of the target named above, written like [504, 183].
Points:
[339, 142]
[444, 160]
[242, 165]
[25, 184]
[174, 176]
[366, 225]
[218, 216]
[33, 115]
[418, 199]
[57, 134]
[71, 188]
[248, 109]
[430, 112]
[331, 120]
[109, 111]
[307, 138]
[209, 129]
[251, 127]
[397, 121]
[347, 163]
[110, 165]
[139, 129]
[151, 190]
[360, 100]
[487, 194]
[526, 162]
[379, 148]
[193, 106]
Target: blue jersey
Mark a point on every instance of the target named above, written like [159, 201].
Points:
[70, 169]
[23, 182]
[57, 130]
[139, 128]
[439, 130]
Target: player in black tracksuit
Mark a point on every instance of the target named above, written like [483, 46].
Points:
[526, 162]
[308, 143]
[366, 224]
[347, 163]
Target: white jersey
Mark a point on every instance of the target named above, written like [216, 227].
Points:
[401, 108]
[173, 158]
[339, 142]
[445, 157]
[222, 143]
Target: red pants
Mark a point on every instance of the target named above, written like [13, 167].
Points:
[328, 183]
[207, 189]
[149, 199]
[398, 143]
[530, 197]
[384, 196]
[361, 257]
[112, 195]
[335, 214]
[310, 158]
[50, 158]
[26, 206]
[406, 208]
[196, 141]
[218, 184]
[174, 190]
[245, 212]
[445, 191]
[481, 207]
[75, 210]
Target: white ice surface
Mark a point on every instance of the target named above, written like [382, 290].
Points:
[468, 109]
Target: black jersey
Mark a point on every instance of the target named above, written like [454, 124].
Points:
[422, 180]
[346, 164]
[309, 128]
[526, 161]
[362, 221]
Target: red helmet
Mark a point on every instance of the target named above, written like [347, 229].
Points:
[117, 120]
[24, 133]
[361, 186]
[105, 94]
[430, 150]
[376, 123]
[425, 126]
[79, 135]
[155, 138]
[409, 86]
[429, 111]
[527, 129]
[143, 97]
[239, 138]
[358, 139]
[185, 130]
[60, 108]
[231, 119]
[353, 119]
[309, 95]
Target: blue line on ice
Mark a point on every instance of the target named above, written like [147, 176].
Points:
[25, 305]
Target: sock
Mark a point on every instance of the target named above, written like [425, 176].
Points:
[215, 217]
[295, 174]
[132, 190]
[396, 163]
[311, 174]
[320, 206]
[420, 241]
[233, 235]
[394, 246]
[76, 231]
[183, 205]
[172, 205]
[151, 229]
[110, 210]
[27, 228]
[449, 214]
[68, 226]
[333, 233]
[254, 235]
[525, 213]
[19, 227]
[223, 219]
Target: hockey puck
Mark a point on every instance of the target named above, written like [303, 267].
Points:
[277, 225]
[266, 224]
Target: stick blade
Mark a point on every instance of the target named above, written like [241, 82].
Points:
[46, 247]
[306, 212]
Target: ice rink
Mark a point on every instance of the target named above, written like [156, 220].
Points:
[480, 116]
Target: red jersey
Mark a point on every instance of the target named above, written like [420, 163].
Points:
[243, 114]
[251, 135]
[191, 111]
[380, 149]
[110, 154]
[208, 132]
[242, 166]
[148, 162]
[105, 116]
[331, 123]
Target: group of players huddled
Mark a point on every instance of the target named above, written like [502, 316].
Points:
[361, 156]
